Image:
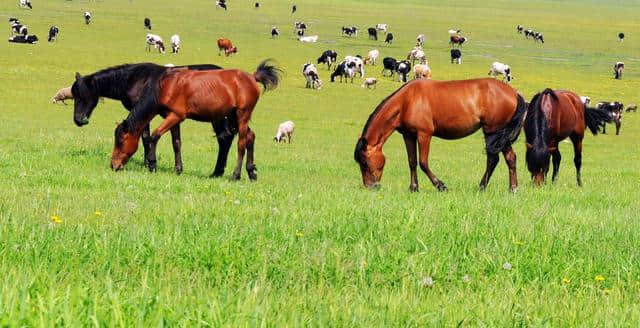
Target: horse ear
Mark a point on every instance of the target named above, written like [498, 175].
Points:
[529, 146]
[78, 77]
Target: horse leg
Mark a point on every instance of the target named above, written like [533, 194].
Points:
[175, 140]
[168, 123]
[251, 167]
[224, 135]
[492, 161]
[618, 124]
[556, 164]
[510, 158]
[576, 139]
[243, 131]
[604, 128]
[146, 139]
[424, 140]
[410, 143]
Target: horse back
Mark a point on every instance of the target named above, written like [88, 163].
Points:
[569, 115]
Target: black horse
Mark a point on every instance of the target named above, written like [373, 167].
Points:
[129, 83]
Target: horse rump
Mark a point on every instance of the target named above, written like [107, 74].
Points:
[508, 134]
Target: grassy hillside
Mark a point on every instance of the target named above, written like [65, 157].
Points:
[306, 245]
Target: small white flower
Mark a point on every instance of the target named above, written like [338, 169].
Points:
[506, 266]
[427, 282]
[466, 278]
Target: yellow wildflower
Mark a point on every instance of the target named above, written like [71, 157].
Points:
[599, 278]
[606, 291]
[364, 263]
[518, 242]
[56, 219]
[299, 234]
[566, 280]
[97, 213]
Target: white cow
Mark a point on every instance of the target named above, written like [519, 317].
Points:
[498, 68]
[155, 41]
[382, 27]
[309, 39]
[454, 31]
[284, 129]
[25, 4]
[175, 43]
[372, 56]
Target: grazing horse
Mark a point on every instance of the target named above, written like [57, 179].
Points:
[418, 111]
[129, 84]
[554, 116]
[207, 96]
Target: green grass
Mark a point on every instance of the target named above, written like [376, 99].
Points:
[306, 245]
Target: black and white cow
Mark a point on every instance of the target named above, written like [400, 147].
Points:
[420, 40]
[528, 33]
[389, 38]
[456, 56]
[382, 27]
[221, 4]
[310, 73]
[350, 31]
[403, 68]
[17, 28]
[155, 41]
[297, 26]
[618, 69]
[520, 28]
[53, 33]
[344, 70]
[328, 57]
[147, 23]
[31, 39]
[175, 43]
[538, 37]
[274, 31]
[87, 17]
[373, 33]
[621, 37]
[25, 4]
[498, 68]
[389, 64]
[615, 109]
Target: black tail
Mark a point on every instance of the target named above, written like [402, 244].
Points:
[268, 75]
[508, 134]
[595, 118]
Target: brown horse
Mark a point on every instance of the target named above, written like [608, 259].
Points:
[554, 116]
[203, 96]
[422, 109]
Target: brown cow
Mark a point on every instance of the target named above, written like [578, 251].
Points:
[456, 39]
[225, 44]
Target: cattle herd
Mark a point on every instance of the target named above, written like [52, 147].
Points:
[347, 69]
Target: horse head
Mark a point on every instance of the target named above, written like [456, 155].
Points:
[126, 144]
[371, 161]
[86, 97]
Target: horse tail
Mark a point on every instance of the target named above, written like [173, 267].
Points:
[268, 75]
[537, 131]
[508, 134]
[595, 118]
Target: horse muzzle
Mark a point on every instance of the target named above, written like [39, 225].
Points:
[117, 166]
[82, 121]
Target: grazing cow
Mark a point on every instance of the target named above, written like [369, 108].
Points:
[175, 43]
[456, 39]
[389, 64]
[53, 33]
[62, 95]
[294, 8]
[299, 28]
[632, 108]
[358, 64]
[274, 32]
[372, 56]
[310, 73]
[300, 33]
[31, 39]
[221, 4]
[520, 28]
[389, 38]
[528, 33]
[284, 129]
[586, 100]
[417, 54]
[344, 70]
[621, 37]
[328, 57]
[456, 56]
[538, 37]
[147, 23]
[87, 17]
[309, 39]
[615, 109]
[350, 31]
[501, 69]
[421, 71]
[382, 27]
[25, 4]
[370, 82]
[225, 44]
[373, 33]
[257, 5]
[618, 69]
[420, 40]
[403, 68]
[155, 41]
[17, 28]
[454, 31]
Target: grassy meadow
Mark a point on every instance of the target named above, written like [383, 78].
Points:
[307, 245]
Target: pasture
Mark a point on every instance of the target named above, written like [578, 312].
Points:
[307, 245]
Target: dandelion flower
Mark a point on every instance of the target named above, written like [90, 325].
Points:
[299, 234]
[566, 280]
[97, 213]
[56, 219]
[506, 266]
[427, 282]
[599, 278]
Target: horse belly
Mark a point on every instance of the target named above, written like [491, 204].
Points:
[456, 130]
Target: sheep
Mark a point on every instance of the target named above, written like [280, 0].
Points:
[369, 82]
[632, 108]
[372, 56]
[62, 95]
[285, 129]
[421, 71]
[309, 39]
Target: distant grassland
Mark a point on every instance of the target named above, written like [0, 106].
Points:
[306, 245]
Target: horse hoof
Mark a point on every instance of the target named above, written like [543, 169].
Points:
[442, 188]
[413, 188]
[235, 176]
[178, 170]
[253, 176]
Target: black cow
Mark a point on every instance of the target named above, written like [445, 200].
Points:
[389, 64]
[221, 4]
[31, 39]
[403, 68]
[389, 38]
[294, 9]
[621, 37]
[328, 57]
[147, 23]
[456, 55]
[53, 33]
[350, 31]
[373, 33]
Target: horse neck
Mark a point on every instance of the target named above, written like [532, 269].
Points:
[381, 123]
[111, 85]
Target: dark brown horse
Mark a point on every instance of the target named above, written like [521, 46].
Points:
[422, 109]
[203, 96]
[554, 116]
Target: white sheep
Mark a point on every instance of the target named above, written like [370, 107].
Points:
[370, 82]
[284, 129]
[62, 95]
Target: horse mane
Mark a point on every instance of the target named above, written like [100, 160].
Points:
[537, 132]
[115, 81]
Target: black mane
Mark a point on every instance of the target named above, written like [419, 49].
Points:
[537, 133]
